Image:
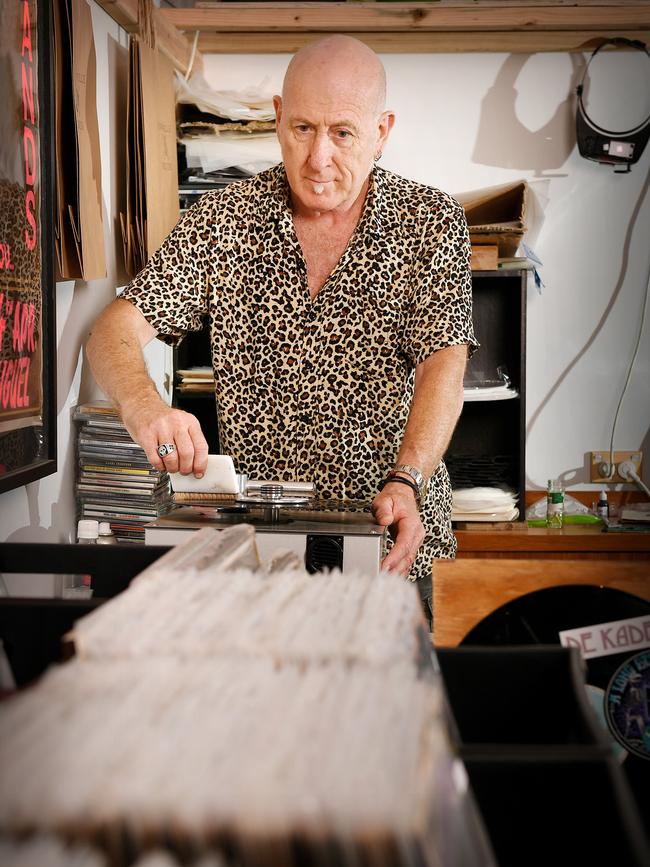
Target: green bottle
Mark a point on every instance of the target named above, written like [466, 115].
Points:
[555, 504]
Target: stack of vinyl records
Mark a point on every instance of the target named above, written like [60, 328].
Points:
[220, 715]
[115, 481]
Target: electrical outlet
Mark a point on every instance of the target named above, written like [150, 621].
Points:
[602, 457]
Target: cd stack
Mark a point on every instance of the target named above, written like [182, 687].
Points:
[115, 481]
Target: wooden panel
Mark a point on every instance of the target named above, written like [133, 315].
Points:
[466, 591]
[517, 540]
[353, 17]
[416, 43]
[448, 26]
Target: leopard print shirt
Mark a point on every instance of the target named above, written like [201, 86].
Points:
[320, 389]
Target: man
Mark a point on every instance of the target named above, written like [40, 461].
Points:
[331, 288]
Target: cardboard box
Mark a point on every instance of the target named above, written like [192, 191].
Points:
[485, 257]
[497, 215]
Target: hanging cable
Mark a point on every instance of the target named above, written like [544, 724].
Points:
[627, 378]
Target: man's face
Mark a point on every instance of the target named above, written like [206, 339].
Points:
[330, 130]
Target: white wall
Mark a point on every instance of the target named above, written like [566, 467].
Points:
[464, 121]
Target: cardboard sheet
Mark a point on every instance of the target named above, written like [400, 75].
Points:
[152, 171]
[79, 228]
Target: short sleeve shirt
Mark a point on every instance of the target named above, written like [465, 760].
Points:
[318, 390]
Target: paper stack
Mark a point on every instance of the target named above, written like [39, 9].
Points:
[489, 391]
[225, 130]
[196, 379]
[484, 504]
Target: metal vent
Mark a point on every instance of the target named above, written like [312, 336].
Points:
[323, 552]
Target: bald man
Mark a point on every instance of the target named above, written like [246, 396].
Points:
[338, 299]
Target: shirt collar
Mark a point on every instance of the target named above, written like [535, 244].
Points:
[275, 204]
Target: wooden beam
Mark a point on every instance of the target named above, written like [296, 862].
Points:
[405, 17]
[397, 43]
[169, 39]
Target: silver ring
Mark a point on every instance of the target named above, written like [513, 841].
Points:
[165, 449]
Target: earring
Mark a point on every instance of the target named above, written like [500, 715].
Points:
[378, 156]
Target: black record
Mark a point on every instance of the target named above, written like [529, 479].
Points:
[539, 617]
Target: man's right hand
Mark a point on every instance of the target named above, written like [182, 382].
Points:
[114, 350]
[153, 423]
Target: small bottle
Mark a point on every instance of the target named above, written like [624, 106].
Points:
[105, 536]
[602, 506]
[87, 532]
[555, 504]
[79, 586]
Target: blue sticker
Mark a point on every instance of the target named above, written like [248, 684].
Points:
[627, 704]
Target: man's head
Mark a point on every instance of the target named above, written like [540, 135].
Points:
[331, 122]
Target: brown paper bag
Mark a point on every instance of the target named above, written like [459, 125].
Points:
[152, 182]
[79, 230]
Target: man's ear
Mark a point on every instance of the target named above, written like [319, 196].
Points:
[386, 121]
[277, 105]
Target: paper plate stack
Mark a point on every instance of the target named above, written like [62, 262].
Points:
[484, 504]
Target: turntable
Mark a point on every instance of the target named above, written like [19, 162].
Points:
[327, 534]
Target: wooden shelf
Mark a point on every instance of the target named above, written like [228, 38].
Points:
[519, 540]
[523, 26]
[443, 26]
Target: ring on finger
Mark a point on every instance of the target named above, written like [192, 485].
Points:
[165, 449]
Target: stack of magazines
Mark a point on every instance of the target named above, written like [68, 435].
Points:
[115, 481]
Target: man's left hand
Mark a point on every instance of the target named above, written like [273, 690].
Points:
[395, 507]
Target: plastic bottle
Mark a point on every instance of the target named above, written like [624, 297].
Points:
[87, 532]
[602, 506]
[555, 504]
[79, 586]
[105, 536]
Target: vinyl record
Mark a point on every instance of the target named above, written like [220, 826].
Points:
[539, 617]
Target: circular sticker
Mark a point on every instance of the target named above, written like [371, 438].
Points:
[627, 704]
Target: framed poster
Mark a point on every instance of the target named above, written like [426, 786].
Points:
[27, 324]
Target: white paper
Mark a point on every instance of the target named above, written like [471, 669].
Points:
[604, 639]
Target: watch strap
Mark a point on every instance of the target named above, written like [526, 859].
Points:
[418, 478]
[401, 481]
[413, 472]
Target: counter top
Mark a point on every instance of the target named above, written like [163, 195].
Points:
[517, 539]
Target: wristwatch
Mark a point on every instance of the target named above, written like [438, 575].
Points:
[418, 478]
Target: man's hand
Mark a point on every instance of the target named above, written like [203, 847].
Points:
[152, 423]
[395, 507]
[114, 350]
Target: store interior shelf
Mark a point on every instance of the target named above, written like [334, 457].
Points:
[444, 26]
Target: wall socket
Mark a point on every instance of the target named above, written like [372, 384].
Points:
[602, 457]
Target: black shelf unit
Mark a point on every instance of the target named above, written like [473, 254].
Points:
[193, 351]
[488, 447]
